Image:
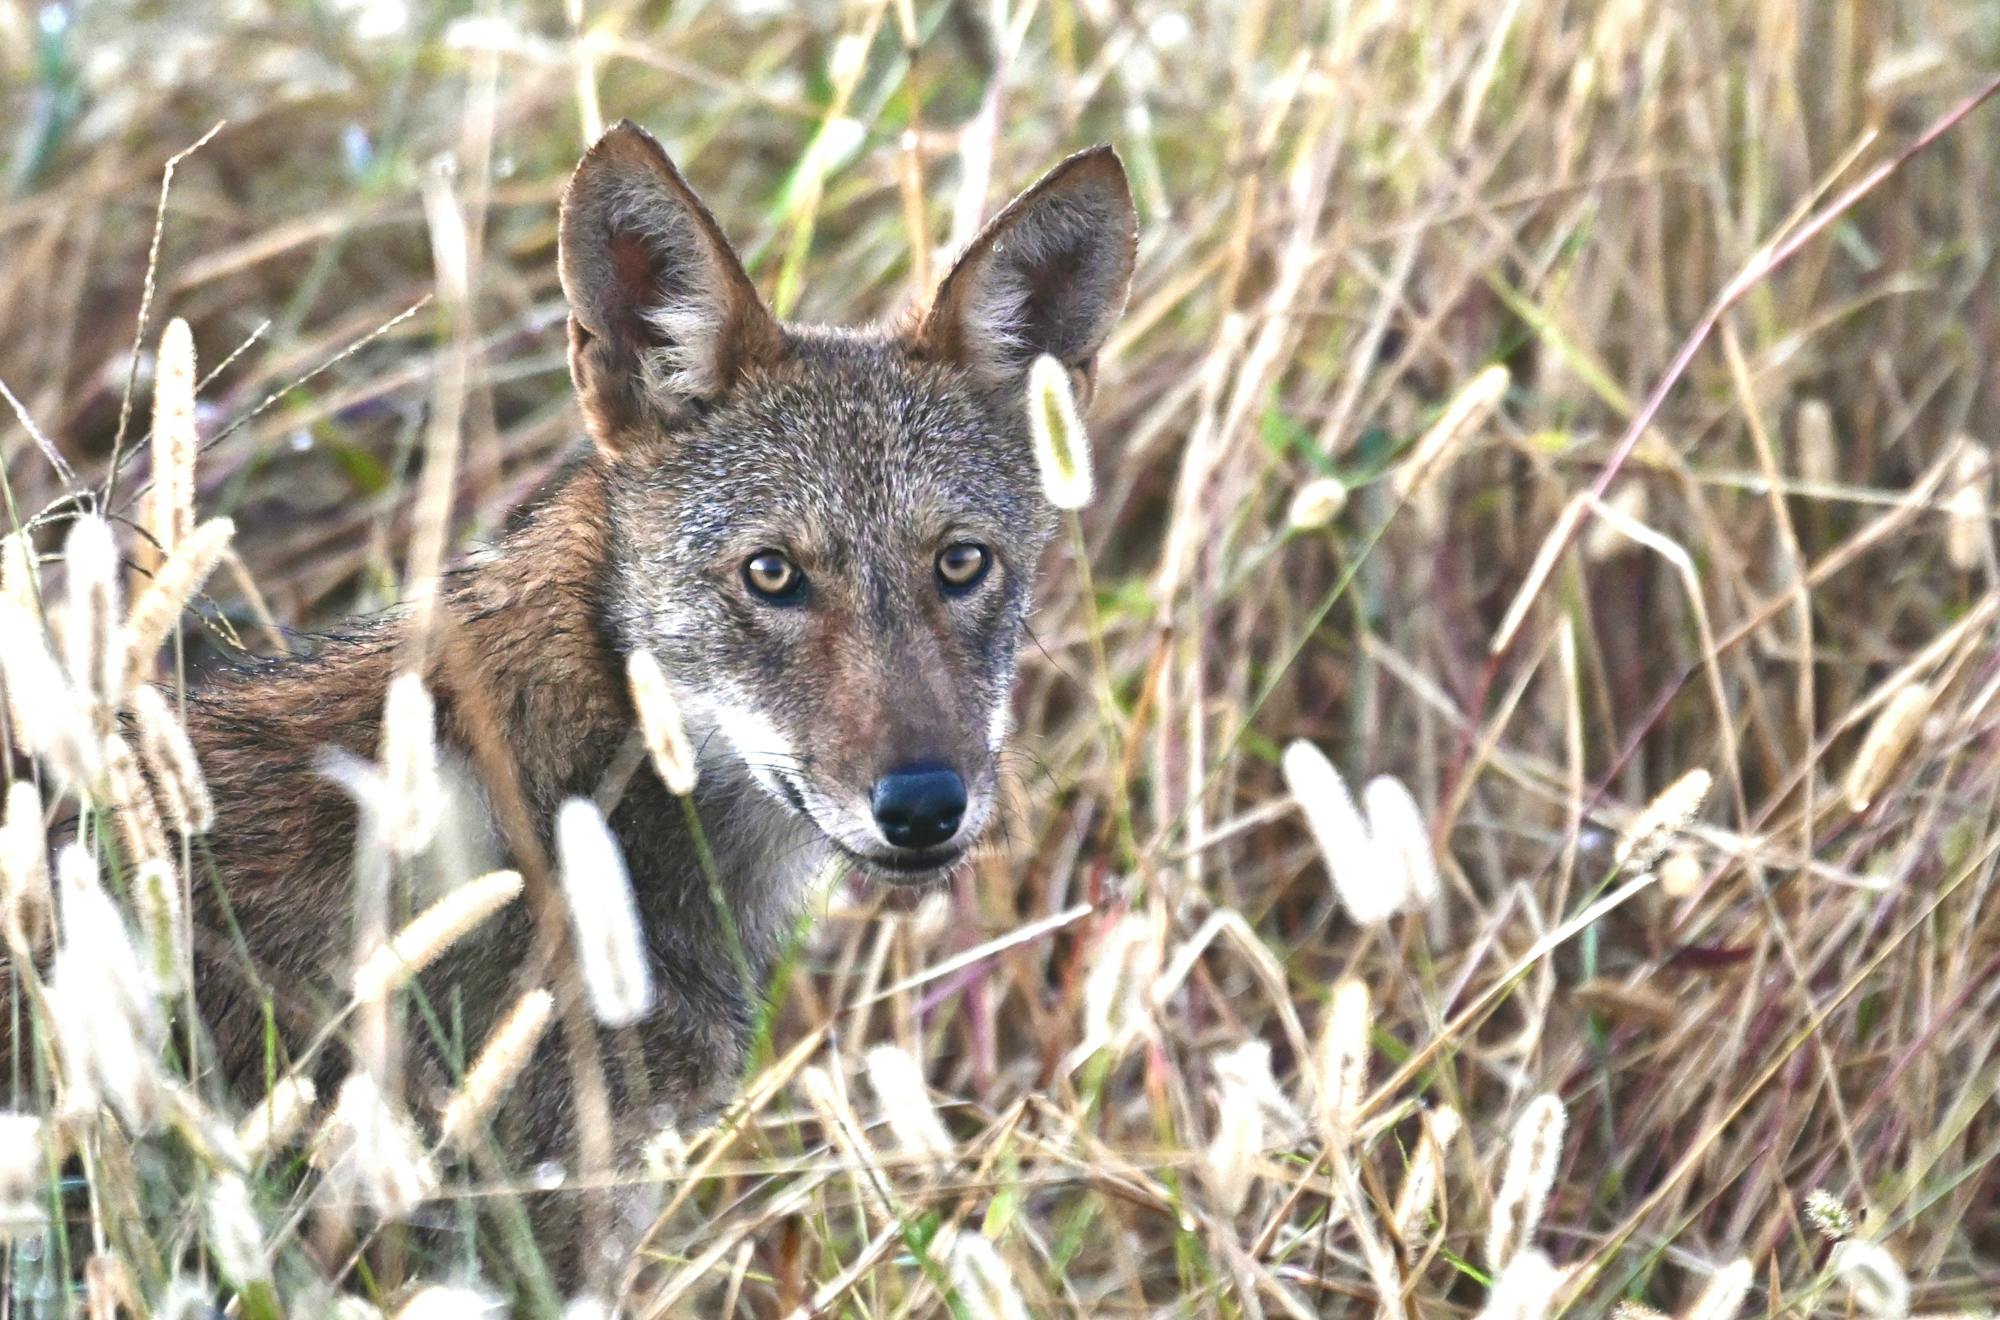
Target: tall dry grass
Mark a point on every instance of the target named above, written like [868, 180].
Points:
[1171, 1064]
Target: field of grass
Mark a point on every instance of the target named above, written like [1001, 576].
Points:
[1445, 254]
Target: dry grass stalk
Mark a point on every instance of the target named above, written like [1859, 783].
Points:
[170, 757]
[1534, 1150]
[660, 721]
[507, 1050]
[432, 931]
[159, 606]
[1888, 739]
[176, 442]
[1062, 447]
[1466, 413]
[602, 915]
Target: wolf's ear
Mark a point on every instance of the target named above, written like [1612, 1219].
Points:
[662, 316]
[1048, 275]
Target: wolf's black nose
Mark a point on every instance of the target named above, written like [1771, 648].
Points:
[919, 806]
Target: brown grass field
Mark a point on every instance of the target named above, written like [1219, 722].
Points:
[1729, 505]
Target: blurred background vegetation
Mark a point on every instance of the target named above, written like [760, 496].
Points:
[1347, 211]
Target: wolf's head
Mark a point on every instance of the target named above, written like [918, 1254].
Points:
[829, 537]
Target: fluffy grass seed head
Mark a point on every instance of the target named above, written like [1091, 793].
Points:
[1467, 411]
[980, 1279]
[1874, 1279]
[898, 1082]
[91, 616]
[413, 796]
[24, 1175]
[1680, 873]
[1316, 504]
[432, 931]
[29, 903]
[1721, 1298]
[276, 1119]
[1525, 1289]
[1425, 1175]
[603, 916]
[156, 896]
[1370, 888]
[158, 608]
[1969, 507]
[1534, 1150]
[507, 1050]
[1660, 820]
[169, 754]
[176, 441]
[47, 716]
[1117, 1008]
[107, 1025]
[1812, 434]
[1889, 737]
[131, 798]
[1062, 447]
[437, 1302]
[1402, 840]
[235, 1237]
[1251, 1114]
[1829, 1215]
[661, 724]
[1343, 1062]
[369, 1153]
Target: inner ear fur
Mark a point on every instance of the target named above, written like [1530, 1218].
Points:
[662, 316]
[1049, 274]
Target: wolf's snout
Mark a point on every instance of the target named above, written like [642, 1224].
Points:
[919, 806]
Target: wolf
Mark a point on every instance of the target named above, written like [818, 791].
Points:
[828, 537]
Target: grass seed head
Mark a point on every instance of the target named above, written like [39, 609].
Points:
[1534, 1150]
[276, 1119]
[91, 617]
[437, 1302]
[1969, 507]
[1875, 1280]
[1829, 1215]
[1344, 1055]
[47, 716]
[1812, 433]
[176, 441]
[29, 911]
[1525, 1289]
[660, 721]
[432, 931]
[159, 606]
[156, 895]
[235, 1237]
[131, 798]
[603, 915]
[1721, 1298]
[506, 1052]
[1117, 1006]
[24, 1175]
[1062, 447]
[170, 757]
[1370, 888]
[1895, 728]
[1425, 1175]
[413, 798]
[1316, 504]
[898, 1082]
[1402, 840]
[980, 1279]
[1661, 819]
[369, 1153]
[1465, 414]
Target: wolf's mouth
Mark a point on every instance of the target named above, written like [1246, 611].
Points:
[907, 867]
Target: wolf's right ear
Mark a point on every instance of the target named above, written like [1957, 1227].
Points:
[662, 316]
[1048, 274]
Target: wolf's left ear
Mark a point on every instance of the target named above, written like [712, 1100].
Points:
[1048, 275]
[662, 316]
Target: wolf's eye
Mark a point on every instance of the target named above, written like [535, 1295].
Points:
[960, 566]
[774, 577]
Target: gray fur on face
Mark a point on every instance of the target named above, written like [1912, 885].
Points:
[860, 465]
